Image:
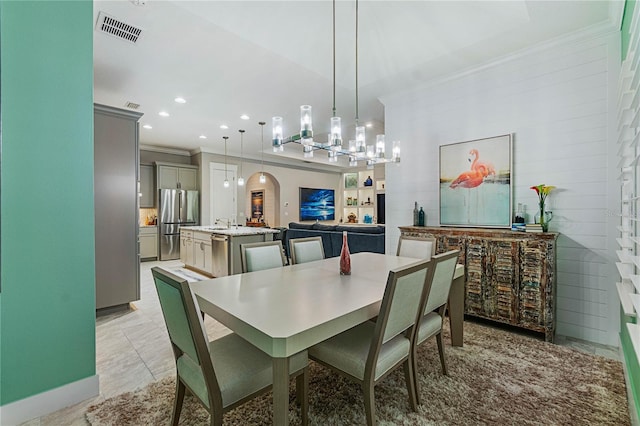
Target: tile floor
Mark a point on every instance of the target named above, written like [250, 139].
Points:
[133, 349]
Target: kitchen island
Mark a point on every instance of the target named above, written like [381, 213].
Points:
[215, 250]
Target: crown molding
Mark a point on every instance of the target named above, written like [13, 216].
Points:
[165, 150]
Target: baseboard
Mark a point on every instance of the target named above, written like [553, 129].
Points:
[50, 401]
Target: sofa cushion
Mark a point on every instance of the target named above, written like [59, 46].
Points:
[361, 229]
[296, 225]
[323, 227]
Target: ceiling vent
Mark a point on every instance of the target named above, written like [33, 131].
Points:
[131, 105]
[109, 25]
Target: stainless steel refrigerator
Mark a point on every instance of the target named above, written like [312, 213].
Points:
[177, 208]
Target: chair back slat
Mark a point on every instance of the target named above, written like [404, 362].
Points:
[443, 270]
[260, 256]
[306, 249]
[408, 289]
[416, 248]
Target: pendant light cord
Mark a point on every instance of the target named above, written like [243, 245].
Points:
[225, 156]
[357, 63]
[334, 58]
[241, 145]
[262, 123]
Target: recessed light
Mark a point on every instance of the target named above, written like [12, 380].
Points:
[147, 126]
[163, 114]
[244, 117]
[203, 137]
[180, 100]
[224, 126]
[369, 124]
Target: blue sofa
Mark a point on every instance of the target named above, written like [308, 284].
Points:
[360, 238]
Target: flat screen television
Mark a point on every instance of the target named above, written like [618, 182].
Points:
[317, 204]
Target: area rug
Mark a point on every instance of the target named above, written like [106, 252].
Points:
[498, 377]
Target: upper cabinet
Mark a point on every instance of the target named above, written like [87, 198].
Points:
[172, 176]
[147, 186]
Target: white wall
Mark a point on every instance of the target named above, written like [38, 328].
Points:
[289, 178]
[557, 101]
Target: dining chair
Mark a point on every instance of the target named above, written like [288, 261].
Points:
[435, 303]
[224, 373]
[368, 352]
[306, 249]
[419, 248]
[262, 255]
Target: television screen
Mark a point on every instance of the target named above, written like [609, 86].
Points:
[317, 204]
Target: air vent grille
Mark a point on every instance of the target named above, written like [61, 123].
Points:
[132, 105]
[109, 25]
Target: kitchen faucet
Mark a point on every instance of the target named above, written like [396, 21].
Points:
[225, 221]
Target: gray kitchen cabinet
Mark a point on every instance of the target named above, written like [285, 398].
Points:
[147, 186]
[148, 242]
[116, 162]
[202, 256]
[186, 247]
[172, 176]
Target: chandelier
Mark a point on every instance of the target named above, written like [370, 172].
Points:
[357, 150]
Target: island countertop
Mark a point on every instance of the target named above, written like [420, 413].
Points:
[232, 230]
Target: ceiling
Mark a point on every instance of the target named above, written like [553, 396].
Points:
[266, 58]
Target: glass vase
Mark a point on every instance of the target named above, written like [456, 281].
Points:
[543, 218]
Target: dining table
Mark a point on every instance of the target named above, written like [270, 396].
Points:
[286, 310]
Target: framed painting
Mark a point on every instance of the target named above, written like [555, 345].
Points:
[350, 180]
[475, 183]
[257, 205]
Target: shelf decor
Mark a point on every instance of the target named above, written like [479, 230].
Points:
[350, 180]
[475, 183]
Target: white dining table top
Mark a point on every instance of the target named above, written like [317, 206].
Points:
[285, 310]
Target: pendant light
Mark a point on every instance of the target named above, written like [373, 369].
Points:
[226, 180]
[263, 178]
[361, 143]
[240, 178]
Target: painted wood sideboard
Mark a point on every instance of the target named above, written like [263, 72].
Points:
[510, 276]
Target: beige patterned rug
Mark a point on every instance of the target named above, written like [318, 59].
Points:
[498, 377]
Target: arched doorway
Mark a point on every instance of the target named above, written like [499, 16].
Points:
[262, 200]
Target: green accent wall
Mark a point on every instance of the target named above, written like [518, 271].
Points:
[626, 26]
[47, 326]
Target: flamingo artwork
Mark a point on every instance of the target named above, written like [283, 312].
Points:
[475, 176]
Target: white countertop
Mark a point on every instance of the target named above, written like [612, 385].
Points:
[233, 230]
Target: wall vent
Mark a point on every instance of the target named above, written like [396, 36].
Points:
[109, 25]
[131, 105]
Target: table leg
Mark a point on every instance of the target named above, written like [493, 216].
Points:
[456, 310]
[281, 391]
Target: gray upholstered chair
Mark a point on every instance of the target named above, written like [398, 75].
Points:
[435, 303]
[368, 352]
[259, 256]
[419, 248]
[223, 373]
[306, 249]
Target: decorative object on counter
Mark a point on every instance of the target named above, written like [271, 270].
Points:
[352, 218]
[519, 214]
[367, 218]
[240, 178]
[357, 150]
[421, 218]
[480, 193]
[345, 257]
[368, 181]
[226, 180]
[415, 214]
[543, 217]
